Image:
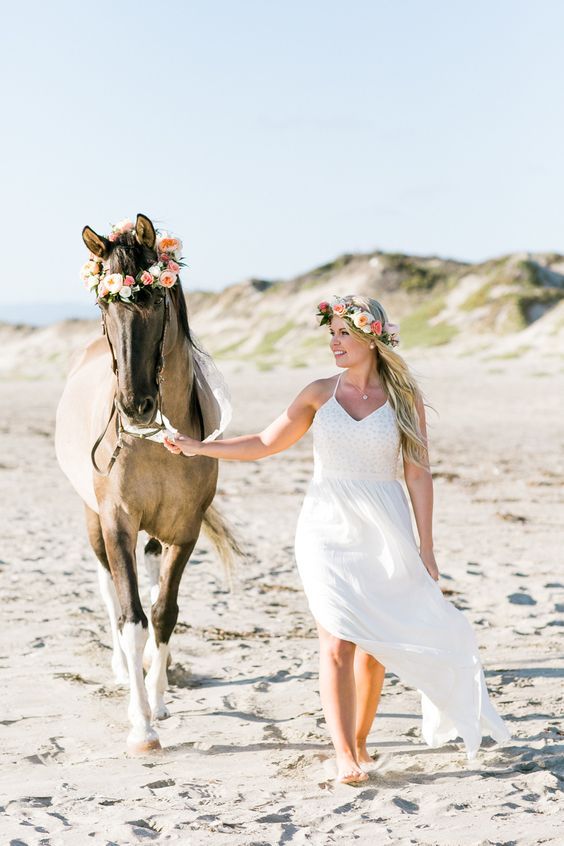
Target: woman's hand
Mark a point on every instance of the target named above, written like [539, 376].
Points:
[181, 444]
[428, 559]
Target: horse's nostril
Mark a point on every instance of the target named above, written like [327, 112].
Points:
[146, 406]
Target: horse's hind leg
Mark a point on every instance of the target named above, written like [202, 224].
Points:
[164, 615]
[153, 553]
[108, 592]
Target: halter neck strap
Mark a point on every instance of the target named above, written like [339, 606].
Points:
[337, 384]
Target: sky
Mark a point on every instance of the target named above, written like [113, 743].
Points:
[272, 137]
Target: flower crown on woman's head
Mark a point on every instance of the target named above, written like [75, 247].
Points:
[114, 286]
[359, 319]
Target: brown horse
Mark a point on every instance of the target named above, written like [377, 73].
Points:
[146, 363]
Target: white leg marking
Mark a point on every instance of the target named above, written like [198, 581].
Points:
[156, 682]
[153, 568]
[142, 736]
[109, 595]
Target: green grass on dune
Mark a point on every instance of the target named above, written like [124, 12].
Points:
[417, 331]
[267, 346]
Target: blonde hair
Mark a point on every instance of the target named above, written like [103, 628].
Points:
[399, 385]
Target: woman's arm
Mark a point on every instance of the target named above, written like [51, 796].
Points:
[288, 428]
[420, 486]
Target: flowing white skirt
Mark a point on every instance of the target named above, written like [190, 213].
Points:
[365, 583]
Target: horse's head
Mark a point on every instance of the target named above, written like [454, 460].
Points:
[135, 330]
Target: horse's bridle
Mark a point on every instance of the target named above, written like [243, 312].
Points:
[115, 412]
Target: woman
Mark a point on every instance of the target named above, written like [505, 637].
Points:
[372, 591]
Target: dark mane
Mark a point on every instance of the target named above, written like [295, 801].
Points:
[179, 301]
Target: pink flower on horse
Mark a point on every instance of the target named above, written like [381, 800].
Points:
[146, 278]
[129, 281]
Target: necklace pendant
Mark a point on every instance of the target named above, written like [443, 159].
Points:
[364, 396]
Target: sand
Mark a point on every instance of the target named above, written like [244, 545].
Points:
[246, 756]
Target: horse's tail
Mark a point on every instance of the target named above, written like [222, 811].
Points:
[223, 538]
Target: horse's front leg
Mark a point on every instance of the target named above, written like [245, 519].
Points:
[164, 615]
[120, 536]
[109, 595]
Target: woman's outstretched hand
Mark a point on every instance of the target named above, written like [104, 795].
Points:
[181, 444]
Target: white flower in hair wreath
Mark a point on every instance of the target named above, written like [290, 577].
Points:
[114, 286]
[387, 333]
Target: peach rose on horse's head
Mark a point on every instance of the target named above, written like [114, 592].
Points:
[167, 278]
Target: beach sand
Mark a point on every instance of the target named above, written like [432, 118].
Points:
[246, 757]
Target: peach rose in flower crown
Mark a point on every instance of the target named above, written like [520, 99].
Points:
[339, 309]
[362, 319]
[167, 278]
[167, 244]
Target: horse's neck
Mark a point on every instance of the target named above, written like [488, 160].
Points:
[177, 385]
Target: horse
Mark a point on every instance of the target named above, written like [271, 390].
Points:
[146, 361]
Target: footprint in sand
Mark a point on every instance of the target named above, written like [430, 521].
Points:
[521, 599]
[405, 805]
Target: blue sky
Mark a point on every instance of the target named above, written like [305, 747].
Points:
[273, 136]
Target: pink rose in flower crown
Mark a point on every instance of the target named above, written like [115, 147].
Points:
[324, 306]
[167, 278]
[172, 265]
[376, 327]
[129, 281]
[146, 278]
[393, 331]
[339, 309]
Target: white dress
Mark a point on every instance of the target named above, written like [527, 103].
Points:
[365, 582]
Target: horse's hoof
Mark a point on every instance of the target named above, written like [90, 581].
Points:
[135, 748]
[161, 712]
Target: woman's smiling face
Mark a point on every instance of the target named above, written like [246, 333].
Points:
[347, 349]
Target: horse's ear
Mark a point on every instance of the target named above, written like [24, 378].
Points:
[97, 244]
[145, 231]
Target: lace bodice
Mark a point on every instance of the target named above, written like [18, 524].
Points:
[345, 448]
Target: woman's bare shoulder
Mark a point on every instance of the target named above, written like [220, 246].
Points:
[319, 391]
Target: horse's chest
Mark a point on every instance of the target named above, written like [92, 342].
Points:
[165, 494]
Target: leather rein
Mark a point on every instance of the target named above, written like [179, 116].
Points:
[115, 412]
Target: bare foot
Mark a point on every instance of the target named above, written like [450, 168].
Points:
[350, 772]
[363, 756]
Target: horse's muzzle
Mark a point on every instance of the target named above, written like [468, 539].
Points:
[138, 412]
